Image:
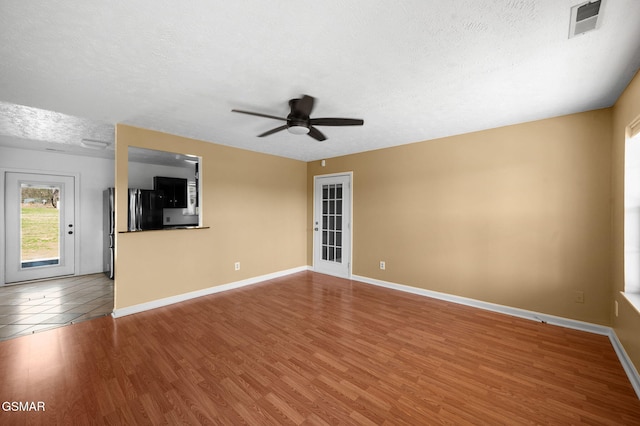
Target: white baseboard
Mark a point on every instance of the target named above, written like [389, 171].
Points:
[627, 365]
[129, 310]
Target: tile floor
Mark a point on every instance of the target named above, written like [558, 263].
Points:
[37, 306]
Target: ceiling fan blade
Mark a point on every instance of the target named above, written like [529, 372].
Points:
[316, 134]
[259, 114]
[303, 106]
[336, 122]
[272, 131]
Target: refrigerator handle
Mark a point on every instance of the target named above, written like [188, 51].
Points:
[138, 210]
[133, 207]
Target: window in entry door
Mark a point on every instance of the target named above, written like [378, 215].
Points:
[332, 222]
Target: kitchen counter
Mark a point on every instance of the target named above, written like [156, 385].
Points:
[166, 228]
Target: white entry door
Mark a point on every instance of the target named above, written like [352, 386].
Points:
[332, 225]
[39, 226]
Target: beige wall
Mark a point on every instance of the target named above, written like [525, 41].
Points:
[518, 215]
[627, 324]
[254, 205]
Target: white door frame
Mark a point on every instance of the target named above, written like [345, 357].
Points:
[348, 230]
[76, 192]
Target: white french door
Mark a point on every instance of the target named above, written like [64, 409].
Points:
[332, 225]
[39, 226]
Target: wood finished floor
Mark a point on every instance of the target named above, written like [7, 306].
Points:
[311, 349]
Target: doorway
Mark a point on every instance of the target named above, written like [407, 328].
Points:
[332, 225]
[39, 226]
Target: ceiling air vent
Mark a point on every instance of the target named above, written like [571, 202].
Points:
[584, 18]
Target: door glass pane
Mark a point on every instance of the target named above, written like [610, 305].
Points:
[331, 221]
[39, 225]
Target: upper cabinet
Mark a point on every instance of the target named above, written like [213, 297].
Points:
[174, 189]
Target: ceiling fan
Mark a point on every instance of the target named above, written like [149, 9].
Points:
[299, 122]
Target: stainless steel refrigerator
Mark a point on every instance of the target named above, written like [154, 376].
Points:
[144, 213]
[109, 231]
[145, 209]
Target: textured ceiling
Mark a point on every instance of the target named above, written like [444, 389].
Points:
[413, 70]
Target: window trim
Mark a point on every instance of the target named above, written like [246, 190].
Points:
[632, 296]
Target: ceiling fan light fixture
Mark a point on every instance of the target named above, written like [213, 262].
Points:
[298, 130]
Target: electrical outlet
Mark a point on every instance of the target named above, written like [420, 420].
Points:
[236, 266]
[615, 307]
[382, 265]
[579, 297]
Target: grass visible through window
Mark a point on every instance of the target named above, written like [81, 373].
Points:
[40, 227]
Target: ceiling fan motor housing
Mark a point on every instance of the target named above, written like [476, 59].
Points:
[293, 121]
[298, 124]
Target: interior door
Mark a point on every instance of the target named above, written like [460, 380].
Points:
[39, 226]
[332, 225]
